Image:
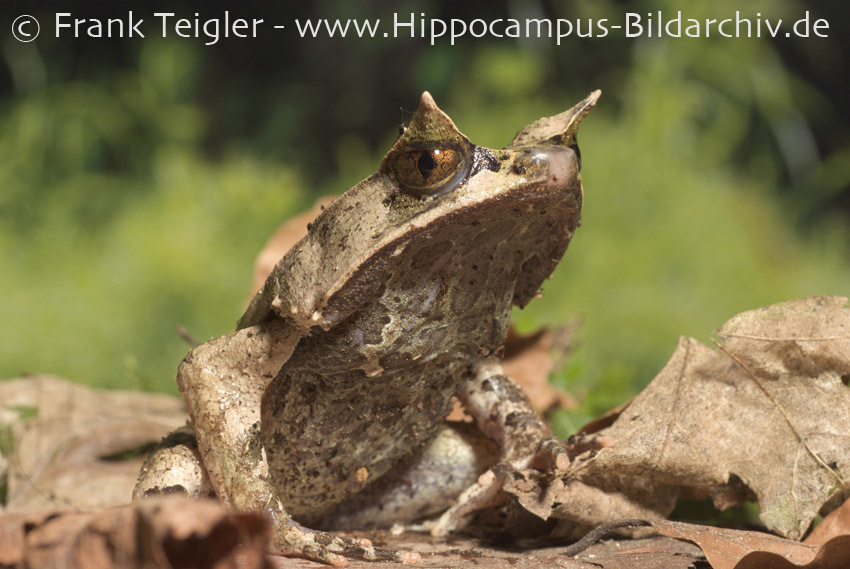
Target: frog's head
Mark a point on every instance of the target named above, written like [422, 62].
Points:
[432, 157]
[449, 187]
[441, 203]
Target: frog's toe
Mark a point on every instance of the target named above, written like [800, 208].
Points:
[551, 455]
[486, 492]
[295, 539]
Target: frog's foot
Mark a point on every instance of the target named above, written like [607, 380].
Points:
[487, 491]
[551, 455]
[294, 539]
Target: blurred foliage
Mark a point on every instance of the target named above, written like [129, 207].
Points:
[116, 229]
[139, 183]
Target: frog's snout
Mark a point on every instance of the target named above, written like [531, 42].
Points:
[559, 130]
[555, 167]
[562, 164]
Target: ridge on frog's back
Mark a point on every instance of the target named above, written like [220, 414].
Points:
[345, 364]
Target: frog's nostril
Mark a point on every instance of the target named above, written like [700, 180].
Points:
[563, 164]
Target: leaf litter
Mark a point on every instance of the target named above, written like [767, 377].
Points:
[764, 417]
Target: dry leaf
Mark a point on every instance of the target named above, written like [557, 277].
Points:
[651, 553]
[765, 416]
[837, 523]
[586, 505]
[165, 532]
[727, 548]
[529, 360]
[736, 549]
[67, 441]
[180, 532]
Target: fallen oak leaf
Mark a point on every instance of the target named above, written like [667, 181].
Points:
[766, 417]
[736, 549]
[529, 360]
[785, 414]
[837, 523]
[72, 446]
[656, 552]
[162, 532]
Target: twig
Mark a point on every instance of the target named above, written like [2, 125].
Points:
[601, 531]
[187, 337]
[780, 339]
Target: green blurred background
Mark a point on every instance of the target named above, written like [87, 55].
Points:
[140, 178]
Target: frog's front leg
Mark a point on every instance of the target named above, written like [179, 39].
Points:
[222, 383]
[503, 411]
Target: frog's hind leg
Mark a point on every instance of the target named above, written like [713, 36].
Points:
[423, 484]
[503, 411]
[223, 382]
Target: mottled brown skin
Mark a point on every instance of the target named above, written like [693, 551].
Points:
[443, 304]
[397, 300]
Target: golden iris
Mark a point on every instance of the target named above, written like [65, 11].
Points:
[429, 172]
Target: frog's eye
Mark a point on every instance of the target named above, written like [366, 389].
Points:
[430, 172]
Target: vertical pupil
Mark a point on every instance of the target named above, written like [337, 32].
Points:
[425, 165]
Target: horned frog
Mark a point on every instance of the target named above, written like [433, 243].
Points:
[326, 407]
